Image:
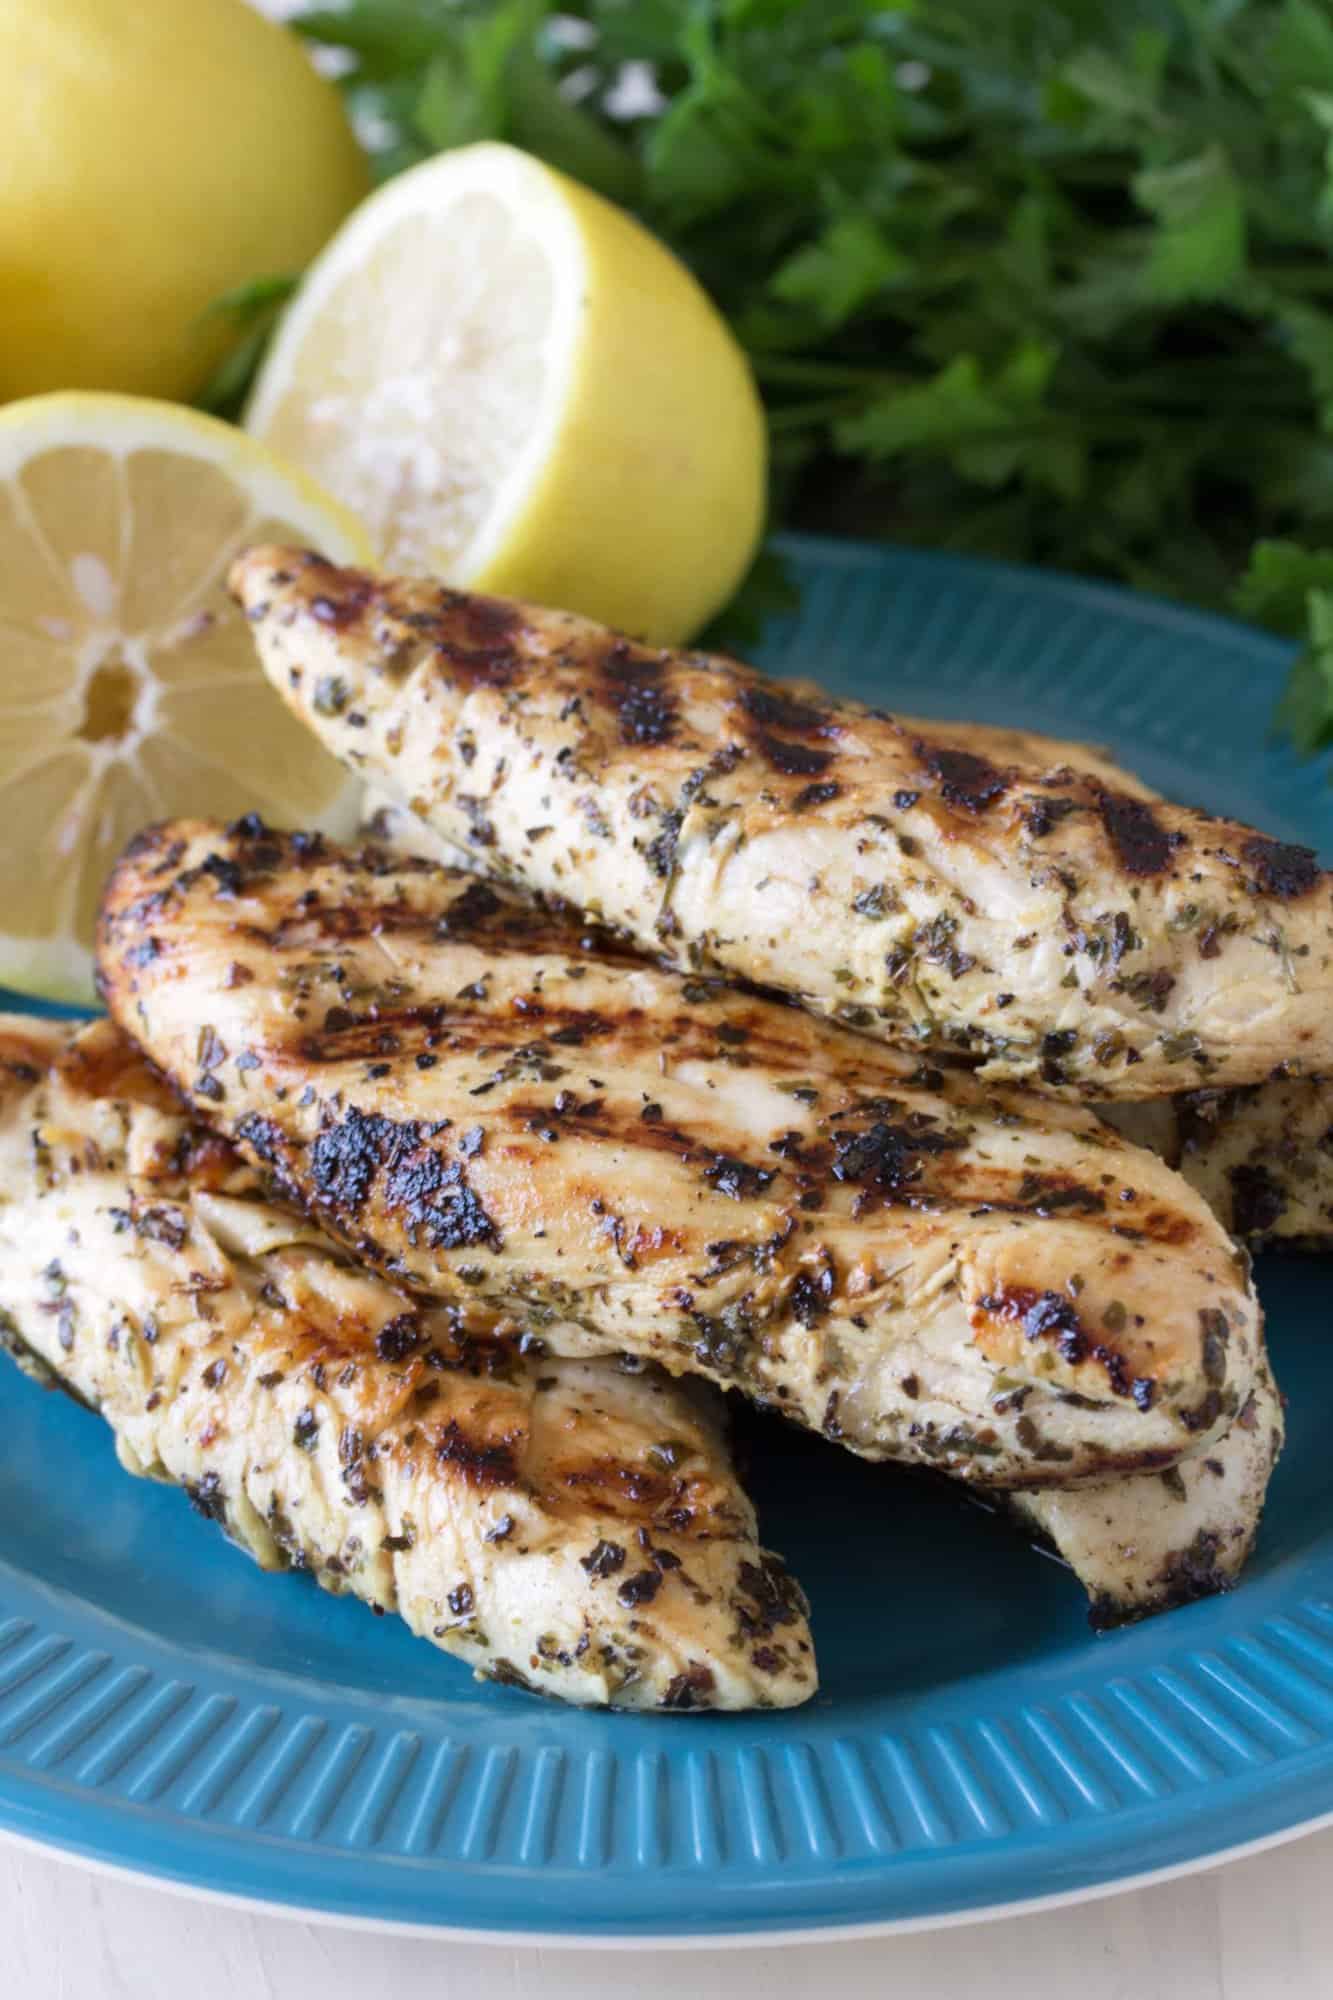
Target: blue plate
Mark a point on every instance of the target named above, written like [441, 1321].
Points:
[166, 1708]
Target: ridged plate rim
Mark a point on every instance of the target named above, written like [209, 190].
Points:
[1214, 1735]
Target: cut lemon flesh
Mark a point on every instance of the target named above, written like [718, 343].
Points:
[516, 387]
[129, 688]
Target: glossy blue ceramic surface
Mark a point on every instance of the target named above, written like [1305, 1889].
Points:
[166, 1707]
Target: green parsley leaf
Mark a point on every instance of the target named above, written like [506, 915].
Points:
[841, 271]
[253, 309]
[1275, 590]
[1198, 247]
[984, 426]
[1051, 279]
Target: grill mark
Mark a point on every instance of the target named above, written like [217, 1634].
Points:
[897, 1175]
[896, 1168]
[1258, 1200]
[633, 684]
[694, 1035]
[976, 1188]
[477, 903]
[1051, 1317]
[617, 1480]
[344, 910]
[482, 1463]
[1142, 844]
[485, 620]
[1172, 1230]
[100, 1067]
[428, 1194]
[1281, 869]
[609, 1122]
[794, 760]
[1049, 1194]
[207, 1160]
[340, 923]
[348, 1037]
[255, 859]
[722, 1174]
[773, 708]
[307, 1347]
[345, 607]
[325, 922]
[150, 840]
[964, 778]
[472, 638]
[1041, 815]
[510, 931]
[701, 1028]
[463, 1344]
[351, 1035]
[686, 1504]
[1161, 1226]
[889, 1156]
[402, 1032]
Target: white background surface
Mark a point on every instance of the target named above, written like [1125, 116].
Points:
[1260, 1929]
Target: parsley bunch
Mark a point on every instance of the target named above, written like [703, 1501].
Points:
[1044, 279]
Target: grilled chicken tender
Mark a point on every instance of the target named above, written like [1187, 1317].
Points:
[386, 819]
[1052, 758]
[493, 1106]
[1148, 1544]
[1262, 1158]
[559, 1524]
[1060, 931]
[1260, 1155]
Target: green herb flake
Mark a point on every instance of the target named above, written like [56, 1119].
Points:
[330, 696]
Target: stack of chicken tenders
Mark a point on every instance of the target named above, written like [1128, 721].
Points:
[680, 1031]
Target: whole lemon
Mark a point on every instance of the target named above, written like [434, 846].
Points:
[152, 156]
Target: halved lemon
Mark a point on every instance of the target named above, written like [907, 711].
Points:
[518, 388]
[129, 687]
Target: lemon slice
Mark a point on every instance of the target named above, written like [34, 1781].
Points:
[518, 388]
[129, 688]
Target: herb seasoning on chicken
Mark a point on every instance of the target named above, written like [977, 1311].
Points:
[418, 1457]
[1054, 928]
[924, 1267]
[1148, 1544]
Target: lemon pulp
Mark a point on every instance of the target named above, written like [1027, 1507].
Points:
[129, 690]
[520, 389]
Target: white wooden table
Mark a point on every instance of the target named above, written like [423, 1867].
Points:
[1260, 1929]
